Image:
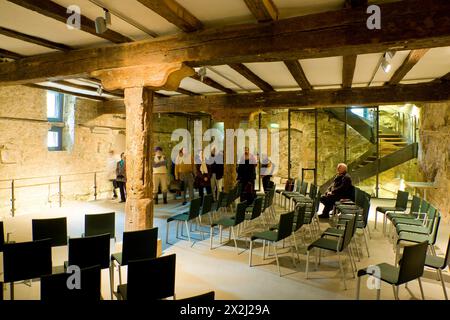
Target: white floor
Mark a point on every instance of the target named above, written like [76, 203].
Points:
[200, 269]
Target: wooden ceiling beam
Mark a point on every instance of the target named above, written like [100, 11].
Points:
[348, 70]
[187, 92]
[355, 3]
[252, 77]
[410, 61]
[55, 11]
[10, 55]
[365, 96]
[76, 94]
[263, 10]
[32, 39]
[289, 39]
[176, 14]
[296, 70]
[212, 83]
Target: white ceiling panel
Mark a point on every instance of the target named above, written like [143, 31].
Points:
[274, 73]
[218, 12]
[365, 66]
[22, 47]
[323, 71]
[197, 86]
[30, 22]
[292, 8]
[434, 64]
[239, 82]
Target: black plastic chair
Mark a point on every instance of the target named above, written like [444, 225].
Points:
[411, 268]
[26, 260]
[2, 236]
[97, 224]
[55, 287]
[90, 251]
[149, 279]
[401, 204]
[137, 245]
[208, 296]
[206, 207]
[273, 236]
[186, 217]
[54, 229]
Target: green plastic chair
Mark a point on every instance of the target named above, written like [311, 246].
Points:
[420, 215]
[335, 245]
[400, 206]
[186, 217]
[229, 222]
[273, 236]
[439, 264]
[426, 228]
[411, 268]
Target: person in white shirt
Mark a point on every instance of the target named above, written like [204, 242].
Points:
[159, 174]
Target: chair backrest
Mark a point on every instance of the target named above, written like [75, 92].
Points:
[300, 218]
[285, 225]
[54, 229]
[54, 287]
[402, 199]
[138, 245]
[304, 188]
[194, 208]
[2, 236]
[257, 208]
[290, 183]
[240, 212]
[447, 255]
[434, 233]
[222, 200]
[366, 209]
[349, 231]
[90, 251]
[209, 296]
[312, 191]
[151, 279]
[415, 205]
[27, 260]
[431, 217]
[96, 224]
[270, 185]
[271, 197]
[207, 204]
[237, 191]
[424, 206]
[413, 262]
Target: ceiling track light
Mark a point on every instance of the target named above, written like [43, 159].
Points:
[202, 73]
[385, 64]
[102, 23]
[100, 90]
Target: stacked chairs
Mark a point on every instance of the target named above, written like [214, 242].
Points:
[312, 194]
[413, 214]
[335, 245]
[137, 245]
[300, 191]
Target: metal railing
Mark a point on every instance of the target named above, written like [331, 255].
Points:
[15, 183]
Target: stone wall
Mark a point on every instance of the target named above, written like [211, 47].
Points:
[434, 153]
[88, 138]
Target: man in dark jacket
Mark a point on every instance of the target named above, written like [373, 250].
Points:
[216, 168]
[341, 188]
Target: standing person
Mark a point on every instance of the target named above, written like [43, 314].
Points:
[111, 171]
[159, 174]
[216, 169]
[246, 175]
[184, 169]
[341, 188]
[267, 169]
[121, 173]
[202, 175]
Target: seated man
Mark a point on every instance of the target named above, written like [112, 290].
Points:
[341, 188]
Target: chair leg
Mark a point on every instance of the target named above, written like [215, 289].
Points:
[264, 249]
[250, 256]
[11, 290]
[220, 235]
[187, 230]
[307, 263]
[421, 288]
[366, 242]
[376, 214]
[358, 288]
[395, 289]
[443, 283]
[120, 274]
[342, 271]
[378, 293]
[111, 279]
[211, 235]
[276, 257]
[295, 245]
[167, 232]
[234, 238]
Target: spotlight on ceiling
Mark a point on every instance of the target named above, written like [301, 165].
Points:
[202, 72]
[100, 90]
[385, 64]
[107, 17]
[102, 23]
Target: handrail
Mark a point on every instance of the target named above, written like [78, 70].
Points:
[59, 182]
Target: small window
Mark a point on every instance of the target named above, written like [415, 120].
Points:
[55, 106]
[54, 139]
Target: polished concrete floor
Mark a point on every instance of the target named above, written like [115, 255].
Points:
[226, 271]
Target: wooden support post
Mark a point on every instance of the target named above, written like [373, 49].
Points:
[60, 191]
[13, 199]
[139, 204]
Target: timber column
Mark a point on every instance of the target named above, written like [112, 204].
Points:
[139, 114]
